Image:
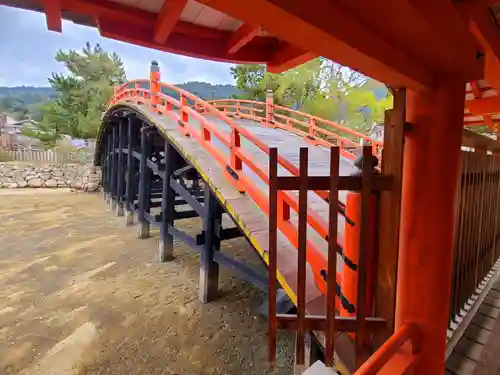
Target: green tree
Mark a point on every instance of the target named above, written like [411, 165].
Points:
[82, 94]
[250, 80]
[48, 130]
[320, 87]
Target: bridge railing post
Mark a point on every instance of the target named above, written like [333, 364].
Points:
[154, 86]
[184, 103]
[238, 109]
[205, 133]
[269, 107]
[312, 127]
[235, 161]
[350, 277]
[137, 93]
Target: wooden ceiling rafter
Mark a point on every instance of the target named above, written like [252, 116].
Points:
[344, 39]
[168, 17]
[111, 9]
[484, 106]
[477, 92]
[185, 45]
[134, 17]
[447, 23]
[483, 26]
[53, 14]
[241, 37]
[288, 56]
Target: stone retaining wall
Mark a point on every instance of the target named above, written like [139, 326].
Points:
[84, 177]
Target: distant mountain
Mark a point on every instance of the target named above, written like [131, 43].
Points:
[27, 90]
[30, 94]
[20, 101]
[208, 91]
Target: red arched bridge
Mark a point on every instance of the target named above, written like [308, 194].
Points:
[413, 245]
[303, 192]
[268, 168]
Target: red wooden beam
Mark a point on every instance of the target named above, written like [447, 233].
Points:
[476, 90]
[483, 26]
[53, 14]
[167, 19]
[479, 123]
[134, 16]
[342, 38]
[110, 9]
[287, 57]
[244, 35]
[214, 49]
[484, 106]
[449, 29]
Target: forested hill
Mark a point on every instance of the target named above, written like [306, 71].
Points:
[208, 91]
[21, 100]
[202, 89]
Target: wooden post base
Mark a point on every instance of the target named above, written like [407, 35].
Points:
[143, 230]
[129, 217]
[165, 250]
[119, 209]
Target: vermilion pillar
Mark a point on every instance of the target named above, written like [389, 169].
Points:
[430, 177]
[155, 85]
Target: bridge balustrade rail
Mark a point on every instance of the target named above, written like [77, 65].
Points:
[401, 348]
[477, 241]
[314, 128]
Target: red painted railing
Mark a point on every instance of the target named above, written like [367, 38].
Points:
[316, 129]
[190, 108]
[396, 356]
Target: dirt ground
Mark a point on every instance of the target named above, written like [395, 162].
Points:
[79, 294]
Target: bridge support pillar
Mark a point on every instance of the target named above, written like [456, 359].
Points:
[431, 167]
[144, 185]
[120, 184]
[114, 169]
[130, 186]
[166, 242]
[107, 180]
[209, 269]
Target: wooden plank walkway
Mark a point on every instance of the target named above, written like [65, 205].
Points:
[478, 351]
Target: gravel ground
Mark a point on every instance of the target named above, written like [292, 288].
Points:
[79, 294]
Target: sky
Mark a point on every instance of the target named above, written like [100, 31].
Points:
[27, 51]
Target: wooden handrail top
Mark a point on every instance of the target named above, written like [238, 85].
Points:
[407, 333]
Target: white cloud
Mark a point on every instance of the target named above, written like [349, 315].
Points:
[28, 51]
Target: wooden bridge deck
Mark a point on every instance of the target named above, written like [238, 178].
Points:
[478, 349]
[288, 145]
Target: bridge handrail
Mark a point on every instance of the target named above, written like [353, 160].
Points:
[317, 129]
[236, 158]
[329, 123]
[247, 101]
[408, 333]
